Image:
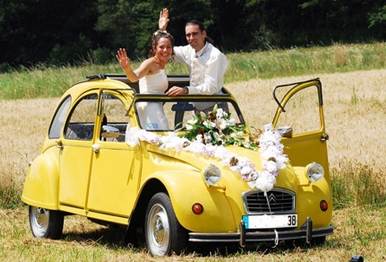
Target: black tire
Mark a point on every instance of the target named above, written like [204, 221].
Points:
[163, 233]
[46, 223]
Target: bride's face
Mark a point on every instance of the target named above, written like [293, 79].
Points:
[164, 49]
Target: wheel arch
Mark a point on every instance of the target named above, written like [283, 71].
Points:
[152, 187]
[185, 188]
[41, 186]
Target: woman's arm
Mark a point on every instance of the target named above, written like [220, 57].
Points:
[124, 62]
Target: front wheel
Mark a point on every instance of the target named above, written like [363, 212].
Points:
[46, 223]
[163, 233]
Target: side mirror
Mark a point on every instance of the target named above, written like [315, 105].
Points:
[285, 131]
[109, 132]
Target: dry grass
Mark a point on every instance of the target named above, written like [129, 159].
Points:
[355, 115]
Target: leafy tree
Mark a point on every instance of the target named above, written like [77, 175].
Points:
[66, 32]
[31, 29]
[130, 24]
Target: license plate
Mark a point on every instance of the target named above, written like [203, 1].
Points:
[270, 221]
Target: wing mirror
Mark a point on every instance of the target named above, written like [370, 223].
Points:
[110, 132]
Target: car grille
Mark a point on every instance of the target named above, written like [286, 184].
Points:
[279, 201]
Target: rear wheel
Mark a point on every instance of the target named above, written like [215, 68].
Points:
[46, 223]
[163, 233]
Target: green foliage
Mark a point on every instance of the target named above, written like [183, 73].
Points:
[66, 32]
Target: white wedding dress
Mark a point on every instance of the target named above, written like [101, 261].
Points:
[151, 114]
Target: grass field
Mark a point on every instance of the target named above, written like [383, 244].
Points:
[355, 115]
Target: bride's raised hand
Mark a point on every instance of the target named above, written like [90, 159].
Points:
[122, 58]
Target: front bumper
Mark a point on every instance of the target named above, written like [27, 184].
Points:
[306, 233]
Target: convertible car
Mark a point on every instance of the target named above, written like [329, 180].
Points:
[183, 169]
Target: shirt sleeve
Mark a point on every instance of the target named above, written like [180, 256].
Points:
[181, 54]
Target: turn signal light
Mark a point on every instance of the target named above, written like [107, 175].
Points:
[323, 205]
[197, 208]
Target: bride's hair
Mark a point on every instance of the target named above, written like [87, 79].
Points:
[156, 37]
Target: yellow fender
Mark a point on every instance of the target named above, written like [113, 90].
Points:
[189, 188]
[44, 168]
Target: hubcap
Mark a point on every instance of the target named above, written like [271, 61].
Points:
[39, 221]
[158, 232]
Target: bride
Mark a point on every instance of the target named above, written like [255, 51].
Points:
[152, 79]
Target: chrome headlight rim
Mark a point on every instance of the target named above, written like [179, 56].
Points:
[212, 175]
[315, 172]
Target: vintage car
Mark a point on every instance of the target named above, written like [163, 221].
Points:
[204, 176]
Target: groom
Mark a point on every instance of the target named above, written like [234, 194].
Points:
[207, 64]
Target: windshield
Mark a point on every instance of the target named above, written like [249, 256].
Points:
[169, 115]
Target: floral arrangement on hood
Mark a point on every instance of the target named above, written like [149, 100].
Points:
[218, 128]
[209, 136]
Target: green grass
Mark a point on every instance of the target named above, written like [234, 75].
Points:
[42, 81]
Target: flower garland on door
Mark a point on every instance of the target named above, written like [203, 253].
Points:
[210, 134]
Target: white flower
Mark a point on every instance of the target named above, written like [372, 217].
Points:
[270, 166]
[221, 114]
[242, 161]
[265, 181]
[192, 121]
[210, 150]
[231, 122]
[209, 124]
[131, 138]
[199, 138]
[246, 170]
[207, 138]
[222, 123]
[240, 134]
[188, 126]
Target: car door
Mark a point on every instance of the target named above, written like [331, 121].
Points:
[300, 114]
[115, 170]
[76, 152]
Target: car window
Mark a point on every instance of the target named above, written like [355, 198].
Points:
[80, 125]
[58, 119]
[303, 105]
[115, 116]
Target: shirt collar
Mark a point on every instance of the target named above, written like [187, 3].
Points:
[199, 53]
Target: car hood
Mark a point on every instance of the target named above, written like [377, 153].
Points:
[286, 178]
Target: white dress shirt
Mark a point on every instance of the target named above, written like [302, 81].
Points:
[207, 68]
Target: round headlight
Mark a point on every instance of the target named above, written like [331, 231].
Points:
[315, 172]
[212, 175]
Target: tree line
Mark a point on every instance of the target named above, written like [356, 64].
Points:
[63, 32]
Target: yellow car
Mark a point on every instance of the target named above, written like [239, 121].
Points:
[183, 169]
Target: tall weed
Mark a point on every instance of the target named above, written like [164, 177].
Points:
[357, 184]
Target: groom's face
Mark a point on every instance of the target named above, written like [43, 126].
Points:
[195, 37]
